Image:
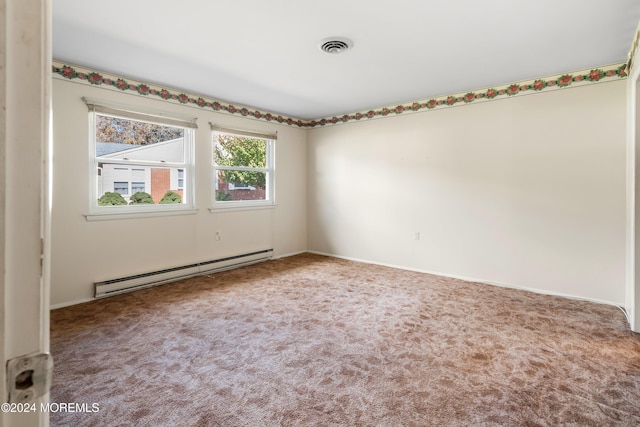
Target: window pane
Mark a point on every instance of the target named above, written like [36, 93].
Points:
[180, 178]
[121, 187]
[153, 180]
[118, 138]
[232, 150]
[137, 186]
[140, 162]
[240, 185]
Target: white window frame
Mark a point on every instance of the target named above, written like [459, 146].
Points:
[97, 212]
[269, 170]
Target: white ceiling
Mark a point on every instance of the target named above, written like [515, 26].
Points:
[264, 54]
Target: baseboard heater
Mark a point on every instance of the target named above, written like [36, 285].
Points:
[145, 280]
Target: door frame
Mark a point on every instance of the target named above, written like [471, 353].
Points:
[25, 187]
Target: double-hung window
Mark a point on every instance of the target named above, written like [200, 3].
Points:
[140, 161]
[243, 165]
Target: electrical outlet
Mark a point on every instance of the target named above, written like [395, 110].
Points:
[417, 235]
[218, 236]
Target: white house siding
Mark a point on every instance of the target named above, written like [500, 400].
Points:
[109, 173]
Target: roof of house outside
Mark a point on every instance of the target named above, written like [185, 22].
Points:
[104, 148]
[171, 151]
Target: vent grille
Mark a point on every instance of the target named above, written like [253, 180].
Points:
[335, 45]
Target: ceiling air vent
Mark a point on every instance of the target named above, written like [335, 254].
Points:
[335, 45]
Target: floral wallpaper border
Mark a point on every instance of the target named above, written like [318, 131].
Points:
[634, 48]
[97, 78]
[557, 82]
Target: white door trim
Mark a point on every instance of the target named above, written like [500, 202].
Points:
[25, 107]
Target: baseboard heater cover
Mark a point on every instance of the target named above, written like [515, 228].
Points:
[145, 280]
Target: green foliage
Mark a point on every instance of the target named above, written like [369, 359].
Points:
[223, 196]
[170, 197]
[127, 131]
[141, 198]
[231, 150]
[111, 199]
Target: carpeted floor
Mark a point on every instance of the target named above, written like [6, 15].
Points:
[316, 341]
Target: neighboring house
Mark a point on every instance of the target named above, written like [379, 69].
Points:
[127, 178]
[239, 190]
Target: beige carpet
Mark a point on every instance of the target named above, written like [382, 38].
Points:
[316, 341]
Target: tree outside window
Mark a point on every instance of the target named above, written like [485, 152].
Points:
[242, 166]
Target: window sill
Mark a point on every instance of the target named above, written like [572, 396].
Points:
[237, 208]
[111, 216]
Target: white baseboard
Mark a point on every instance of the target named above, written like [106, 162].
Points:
[289, 254]
[465, 278]
[472, 279]
[67, 304]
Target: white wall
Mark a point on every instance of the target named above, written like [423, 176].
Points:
[526, 191]
[86, 252]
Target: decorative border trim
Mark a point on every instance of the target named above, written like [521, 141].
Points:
[634, 48]
[96, 78]
[553, 83]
